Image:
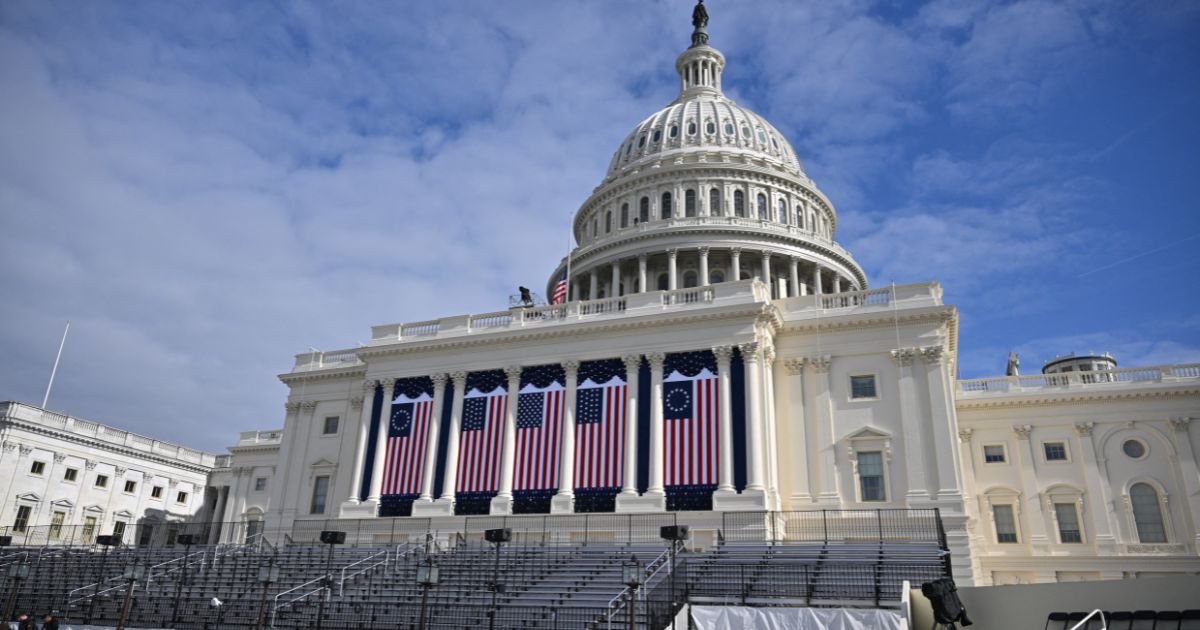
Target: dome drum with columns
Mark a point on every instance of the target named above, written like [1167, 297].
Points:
[706, 191]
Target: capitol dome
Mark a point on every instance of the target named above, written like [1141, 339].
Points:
[705, 191]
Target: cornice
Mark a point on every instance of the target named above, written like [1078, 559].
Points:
[1038, 399]
[833, 320]
[84, 440]
[356, 371]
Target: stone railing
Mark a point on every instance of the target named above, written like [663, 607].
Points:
[317, 360]
[884, 298]
[253, 438]
[1067, 380]
[15, 411]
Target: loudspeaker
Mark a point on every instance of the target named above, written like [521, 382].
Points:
[109, 540]
[498, 535]
[188, 539]
[673, 532]
[5, 541]
[333, 538]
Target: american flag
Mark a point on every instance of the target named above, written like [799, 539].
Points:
[481, 440]
[690, 416]
[539, 433]
[408, 431]
[600, 434]
[560, 289]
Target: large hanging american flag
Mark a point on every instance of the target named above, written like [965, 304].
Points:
[600, 433]
[691, 413]
[481, 440]
[539, 435]
[408, 431]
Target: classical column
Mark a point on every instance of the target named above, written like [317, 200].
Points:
[944, 423]
[703, 266]
[798, 430]
[916, 454]
[827, 478]
[564, 500]
[435, 425]
[794, 278]
[1189, 470]
[725, 402]
[450, 473]
[1026, 459]
[641, 273]
[593, 288]
[766, 270]
[508, 452]
[735, 264]
[672, 282]
[365, 402]
[385, 415]
[772, 438]
[754, 427]
[616, 279]
[655, 485]
[633, 364]
[816, 281]
[1097, 490]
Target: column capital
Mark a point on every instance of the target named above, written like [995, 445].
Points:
[794, 367]
[723, 353]
[1179, 423]
[632, 362]
[90, 465]
[9, 447]
[736, 252]
[308, 405]
[60, 458]
[672, 253]
[356, 402]
[25, 450]
[768, 354]
[118, 471]
[933, 354]
[749, 351]
[369, 385]
[438, 379]
[1084, 429]
[703, 249]
[291, 406]
[656, 359]
[642, 258]
[820, 363]
[1023, 431]
[903, 356]
[964, 435]
[571, 366]
[513, 372]
[459, 378]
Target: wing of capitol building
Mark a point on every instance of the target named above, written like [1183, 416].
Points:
[711, 357]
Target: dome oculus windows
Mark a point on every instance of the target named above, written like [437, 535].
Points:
[657, 135]
[1135, 449]
[674, 131]
[710, 128]
[642, 141]
[691, 128]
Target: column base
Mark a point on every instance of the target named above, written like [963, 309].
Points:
[361, 509]
[440, 507]
[501, 506]
[731, 501]
[562, 504]
[649, 502]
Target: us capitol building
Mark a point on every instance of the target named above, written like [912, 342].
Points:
[715, 350]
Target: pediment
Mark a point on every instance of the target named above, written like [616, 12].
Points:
[96, 509]
[869, 433]
[323, 463]
[124, 514]
[63, 503]
[31, 497]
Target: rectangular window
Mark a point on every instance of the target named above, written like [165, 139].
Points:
[870, 476]
[1055, 451]
[130, 486]
[156, 492]
[320, 490]
[71, 474]
[260, 484]
[172, 535]
[56, 523]
[101, 481]
[331, 425]
[862, 386]
[38, 468]
[1068, 523]
[1006, 525]
[119, 530]
[22, 520]
[89, 528]
[181, 497]
[993, 454]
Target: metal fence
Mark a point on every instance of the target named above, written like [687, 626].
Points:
[143, 534]
[572, 529]
[827, 526]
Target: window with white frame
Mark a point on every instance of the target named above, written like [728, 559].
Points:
[319, 494]
[1055, 451]
[331, 426]
[70, 474]
[260, 484]
[1067, 516]
[156, 492]
[22, 520]
[130, 486]
[994, 454]
[1147, 513]
[38, 468]
[101, 481]
[181, 497]
[862, 386]
[1006, 523]
[56, 524]
[870, 476]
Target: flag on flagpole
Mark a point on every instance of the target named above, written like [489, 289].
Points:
[560, 289]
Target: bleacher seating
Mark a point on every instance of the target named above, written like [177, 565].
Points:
[1127, 620]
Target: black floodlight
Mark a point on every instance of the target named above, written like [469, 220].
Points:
[673, 532]
[500, 535]
[330, 537]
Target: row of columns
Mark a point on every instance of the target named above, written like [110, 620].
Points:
[815, 280]
[563, 500]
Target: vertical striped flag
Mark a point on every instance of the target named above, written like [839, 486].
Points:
[690, 416]
[600, 434]
[408, 430]
[539, 435]
[481, 440]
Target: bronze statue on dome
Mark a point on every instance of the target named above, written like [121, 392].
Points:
[700, 15]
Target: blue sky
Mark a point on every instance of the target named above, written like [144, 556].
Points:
[205, 191]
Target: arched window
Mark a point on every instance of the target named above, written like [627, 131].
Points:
[608, 222]
[710, 128]
[642, 141]
[624, 215]
[729, 129]
[783, 213]
[800, 218]
[715, 276]
[674, 130]
[762, 206]
[1147, 514]
[714, 202]
[657, 135]
[595, 228]
[689, 203]
[691, 128]
[664, 282]
[739, 203]
[689, 279]
[644, 210]
[665, 211]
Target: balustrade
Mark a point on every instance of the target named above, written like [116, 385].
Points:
[1099, 378]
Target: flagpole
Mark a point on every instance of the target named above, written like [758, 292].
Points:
[46, 398]
[567, 297]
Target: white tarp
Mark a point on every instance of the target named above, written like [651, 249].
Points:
[744, 618]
